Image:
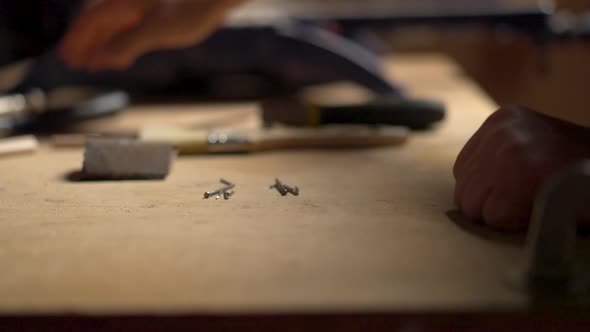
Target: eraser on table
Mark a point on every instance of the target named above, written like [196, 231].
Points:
[124, 159]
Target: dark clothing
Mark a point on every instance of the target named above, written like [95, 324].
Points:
[29, 28]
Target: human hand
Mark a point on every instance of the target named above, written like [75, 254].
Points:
[112, 34]
[502, 167]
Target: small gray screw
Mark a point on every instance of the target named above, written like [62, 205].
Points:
[279, 187]
[284, 189]
[223, 191]
[227, 183]
[228, 194]
[209, 194]
[292, 191]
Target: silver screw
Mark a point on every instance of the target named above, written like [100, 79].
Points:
[279, 187]
[209, 194]
[284, 189]
[227, 183]
[228, 194]
[222, 191]
[292, 191]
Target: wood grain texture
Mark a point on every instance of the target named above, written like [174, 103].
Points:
[369, 232]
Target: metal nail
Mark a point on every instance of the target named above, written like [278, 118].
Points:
[228, 194]
[222, 191]
[227, 183]
[209, 194]
[292, 191]
[282, 190]
[280, 187]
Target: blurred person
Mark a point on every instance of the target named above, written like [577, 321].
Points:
[497, 173]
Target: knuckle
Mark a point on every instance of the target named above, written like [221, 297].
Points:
[511, 110]
[514, 149]
[506, 113]
[511, 143]
[501, 114]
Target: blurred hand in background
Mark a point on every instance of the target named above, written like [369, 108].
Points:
[112, 34]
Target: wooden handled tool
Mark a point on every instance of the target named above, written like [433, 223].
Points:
[385, 110]
[195, 142]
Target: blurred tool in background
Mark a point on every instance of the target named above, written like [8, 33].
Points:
[269, 48]
[38, 110]
[28, 30]
[385, 110]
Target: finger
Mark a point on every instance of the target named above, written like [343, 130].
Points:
[475, 180]
[473, 183]
[469, 170]
[494, 124]
[191, 22]
[507, 210]
[123, 50]
[474, 194]
[462, 182]
[101, 39]
[475, 168]
[96, 25]
[467, 152]
[509, 205]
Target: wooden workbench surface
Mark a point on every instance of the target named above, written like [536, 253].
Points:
[370, 232]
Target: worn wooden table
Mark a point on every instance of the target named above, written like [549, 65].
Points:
[373, 230]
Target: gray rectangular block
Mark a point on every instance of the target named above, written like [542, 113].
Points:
[123, 159]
